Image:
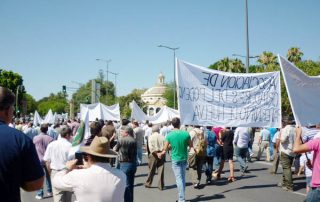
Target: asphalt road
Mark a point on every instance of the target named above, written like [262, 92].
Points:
[256, 185]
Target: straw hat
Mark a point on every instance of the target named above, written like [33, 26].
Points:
[99, 147]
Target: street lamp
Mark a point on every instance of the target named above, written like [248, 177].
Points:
[174, 72]
[107, 61]
[250, 57]
[247, 38]
[115, 81]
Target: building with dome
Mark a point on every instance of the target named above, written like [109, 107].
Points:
[153, 96]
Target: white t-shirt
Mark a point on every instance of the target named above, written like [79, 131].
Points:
[303, 162]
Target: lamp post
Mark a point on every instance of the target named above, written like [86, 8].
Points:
[247, 38]
[115, 81]
[174, 72]
[250, 57]
[106, 61]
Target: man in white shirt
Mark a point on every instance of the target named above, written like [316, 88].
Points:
[97, 181]
[56, 156]
[241, 142]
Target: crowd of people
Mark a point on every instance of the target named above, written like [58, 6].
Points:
[104, 168]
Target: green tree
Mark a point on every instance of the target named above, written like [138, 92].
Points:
[169, 94]
[294, 55]
[57, 102]
[268, 60]
[84, 93]
[31, 103]
[13, 81]
[228, 65]
[124, 102]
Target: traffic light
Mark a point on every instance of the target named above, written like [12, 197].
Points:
[64, 89]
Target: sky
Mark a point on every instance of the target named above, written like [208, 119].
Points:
[55, 43]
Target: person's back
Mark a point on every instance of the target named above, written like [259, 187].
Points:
[19, 163]
[179, 141]
[242, 137]
[99, 183]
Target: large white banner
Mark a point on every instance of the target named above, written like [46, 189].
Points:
[303, 92]
[215, 98]
[100, 111]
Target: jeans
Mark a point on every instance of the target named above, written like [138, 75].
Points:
[209, 167]
[286, 162]
[48, 182]
[241, 156]
[139, 155]
[129, 169]
[313, 195]
[271, 149]
[218, 156]
[179, 170]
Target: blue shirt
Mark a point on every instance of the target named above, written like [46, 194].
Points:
[211, 140]
[19, 162]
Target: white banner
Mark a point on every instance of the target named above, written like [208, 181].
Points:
[303, 92]
[215, 98]
[100, 111]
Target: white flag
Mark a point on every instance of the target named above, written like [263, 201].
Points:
[303, 92]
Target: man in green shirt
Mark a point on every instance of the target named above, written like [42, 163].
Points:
[179, 141]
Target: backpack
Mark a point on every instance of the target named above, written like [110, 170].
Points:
[201, 147]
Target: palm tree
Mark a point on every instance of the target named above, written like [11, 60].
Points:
[267, 59]
[237, 66]
[294, 55]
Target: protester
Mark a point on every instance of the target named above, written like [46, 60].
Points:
[19, 162]
[41, 142]
[312, 145]
[127, 149]
[276, 157]
[97, 181]
[287, 137]
[56, 156]
[211, 140]
[179, 141]
[156, 144]
[219, 152]
[264, 144]
[138, 135]
[30, 131]
[198, 152]
[241, 142]
[227, 139]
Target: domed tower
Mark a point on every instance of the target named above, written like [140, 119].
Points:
[153, 96]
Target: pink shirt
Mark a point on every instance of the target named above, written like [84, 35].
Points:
[314, 145]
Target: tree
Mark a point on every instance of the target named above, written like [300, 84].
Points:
[124, 102]
[229, 65]
[294, 55]
[13, 81]
[84, 93]
[31, 103]
[169, 94]
[268, 60]
[56, 102]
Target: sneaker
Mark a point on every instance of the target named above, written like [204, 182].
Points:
[49, 194]
[39, 197]
[196, 186]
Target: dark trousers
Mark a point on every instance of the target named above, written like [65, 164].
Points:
[286, 162]
[129, 169]
[154, 164]
[209, 167]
